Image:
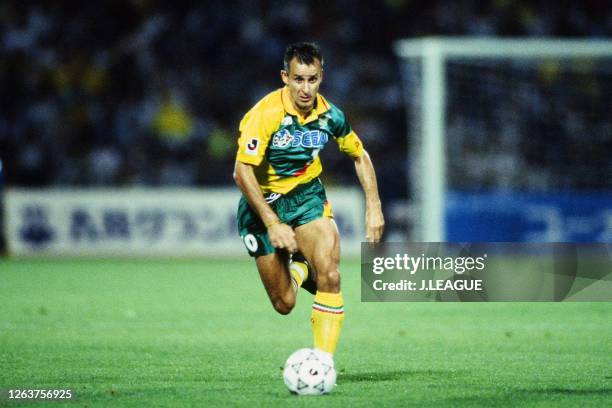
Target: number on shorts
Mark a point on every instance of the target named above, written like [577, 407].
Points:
[250, 242]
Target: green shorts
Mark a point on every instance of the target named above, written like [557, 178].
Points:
[303, 204]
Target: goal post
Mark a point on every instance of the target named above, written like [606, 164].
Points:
[473, 80]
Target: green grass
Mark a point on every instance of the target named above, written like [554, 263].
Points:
[202, 333]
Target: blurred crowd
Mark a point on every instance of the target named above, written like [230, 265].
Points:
[530, 125]
[146, 92]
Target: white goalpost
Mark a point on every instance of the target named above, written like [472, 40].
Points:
[475, 105]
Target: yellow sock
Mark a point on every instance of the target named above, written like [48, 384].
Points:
[327, 317]
[299, 273]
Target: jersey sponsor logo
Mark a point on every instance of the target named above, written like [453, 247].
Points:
[282, 139]
[314, 139]
[252, 146]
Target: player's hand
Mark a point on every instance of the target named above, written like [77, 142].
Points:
[282, 236]
[375, 223]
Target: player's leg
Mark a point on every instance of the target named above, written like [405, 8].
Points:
[319, 241]
[302, 274]
[281, 282]
[276, 278]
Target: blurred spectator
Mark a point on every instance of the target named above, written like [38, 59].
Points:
[172, 123]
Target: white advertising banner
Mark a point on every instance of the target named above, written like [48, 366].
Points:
[144, 222]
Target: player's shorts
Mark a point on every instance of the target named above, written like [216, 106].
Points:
[303, 204]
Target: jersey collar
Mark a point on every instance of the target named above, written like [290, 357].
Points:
[320, 108]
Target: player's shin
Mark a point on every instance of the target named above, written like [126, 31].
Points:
[327, 318]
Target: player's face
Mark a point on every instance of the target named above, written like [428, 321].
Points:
[303, 82]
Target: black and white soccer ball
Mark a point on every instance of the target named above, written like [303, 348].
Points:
[310, 372]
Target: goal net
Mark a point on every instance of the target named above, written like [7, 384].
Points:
[509, 140]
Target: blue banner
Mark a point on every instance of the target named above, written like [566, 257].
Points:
[528, 217]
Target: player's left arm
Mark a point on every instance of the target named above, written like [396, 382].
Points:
[375, 222]
[350, 144]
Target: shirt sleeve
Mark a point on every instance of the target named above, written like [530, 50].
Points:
[350, 144]
[347, 139]
[255, 133]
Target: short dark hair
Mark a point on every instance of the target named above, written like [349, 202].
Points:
[305, 52]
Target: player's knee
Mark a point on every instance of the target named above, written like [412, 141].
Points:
[283, 306]
[329, 281]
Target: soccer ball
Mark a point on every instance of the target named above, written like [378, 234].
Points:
[309, 372]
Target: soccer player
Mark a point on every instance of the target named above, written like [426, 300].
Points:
[284, 213]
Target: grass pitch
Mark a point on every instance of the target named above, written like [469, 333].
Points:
[202, 333]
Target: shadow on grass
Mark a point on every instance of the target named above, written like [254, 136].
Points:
[374, 376]
[519, 396]
[569, 391]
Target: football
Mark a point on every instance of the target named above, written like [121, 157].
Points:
[309, 372]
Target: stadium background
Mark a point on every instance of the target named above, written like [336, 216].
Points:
[145, 93]
[148, 95]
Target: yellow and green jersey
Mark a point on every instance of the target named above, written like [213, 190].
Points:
[284, 146]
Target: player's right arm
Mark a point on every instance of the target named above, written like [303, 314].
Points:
[256, 128]
[281, 235]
